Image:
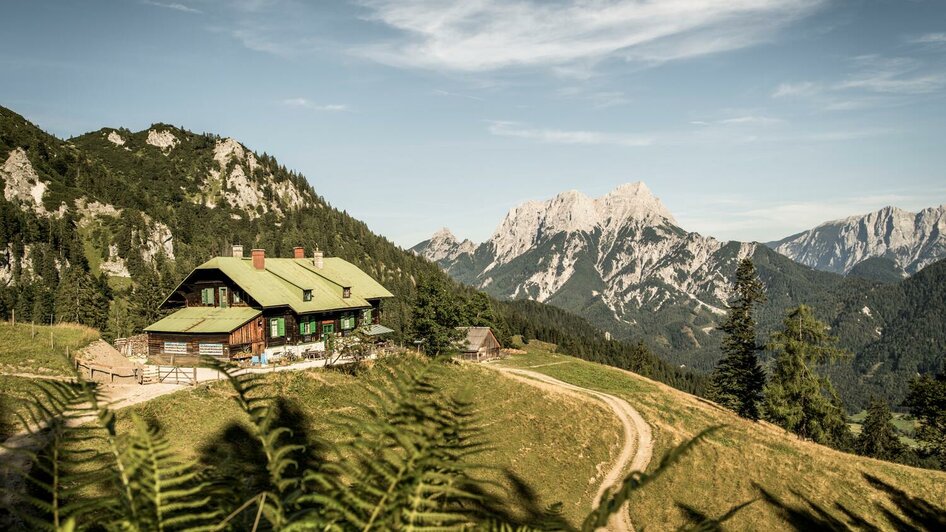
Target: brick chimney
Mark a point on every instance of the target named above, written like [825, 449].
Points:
[238, 251]
[259, 259]
[298, 252]
[317, 259]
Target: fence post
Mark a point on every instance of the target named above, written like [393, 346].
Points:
[195, 375]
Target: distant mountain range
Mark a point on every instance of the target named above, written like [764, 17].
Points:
[624, 263]
[911, 241]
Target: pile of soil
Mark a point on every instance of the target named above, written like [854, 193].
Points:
[101, 353]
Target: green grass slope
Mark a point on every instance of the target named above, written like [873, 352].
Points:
[551, 444]
[40, 349]
[793, 482]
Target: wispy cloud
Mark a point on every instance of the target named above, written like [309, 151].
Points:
[492, 34]
[752, 120]
[559, 136]
[871, 81]
[172, 5]
[741, 218]
[599, 99]
[803, 88]
[441, 92]
[928, 38]
[306, 104]
[892, 75]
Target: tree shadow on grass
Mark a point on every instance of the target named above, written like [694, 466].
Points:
[239, 462]
[915, 513]
[518, 505]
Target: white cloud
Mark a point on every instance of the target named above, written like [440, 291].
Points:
[750, 120]
[559, 136]
[306, 104]
[172, 5]
[486, 35]
[804, 88]
[928, 38]
[441, 92]
[743, 219]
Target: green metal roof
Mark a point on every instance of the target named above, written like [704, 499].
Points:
[375, 330]
[204, 320]
[282, 282]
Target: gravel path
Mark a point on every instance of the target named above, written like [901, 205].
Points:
[638, 445]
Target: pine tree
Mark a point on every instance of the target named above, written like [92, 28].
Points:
[738, 379]
[797, 398]
[878, 437]
[435, 316]
[80, 299]
[927, 402]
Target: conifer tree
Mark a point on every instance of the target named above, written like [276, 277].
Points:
[878, 437]
[927, 402]
[738, 379]
[797, 398]
[435, 316]
[79, 299]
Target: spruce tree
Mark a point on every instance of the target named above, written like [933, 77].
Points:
[927, 402]
[435, 316]
[797, 398]
[738, 379]
[878, 437]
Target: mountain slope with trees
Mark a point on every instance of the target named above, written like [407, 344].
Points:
[122, 216]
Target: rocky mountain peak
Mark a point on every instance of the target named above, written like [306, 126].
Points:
[444, 235]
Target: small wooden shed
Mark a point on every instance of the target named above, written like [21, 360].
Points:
[479, 344]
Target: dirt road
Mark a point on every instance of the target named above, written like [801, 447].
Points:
[638, 445]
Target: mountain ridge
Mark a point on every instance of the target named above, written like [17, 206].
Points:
[911, 240]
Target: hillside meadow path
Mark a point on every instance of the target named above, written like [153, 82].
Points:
[635, 453]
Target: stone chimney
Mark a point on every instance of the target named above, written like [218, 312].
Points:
[317, 259]
[259, 259]
[298, 252]
[238, 251]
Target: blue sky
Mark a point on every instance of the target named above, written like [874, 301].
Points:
[750, 119]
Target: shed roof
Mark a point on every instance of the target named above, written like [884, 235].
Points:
[377, 330]
[282, 282]
[477, 337]
[204, 320]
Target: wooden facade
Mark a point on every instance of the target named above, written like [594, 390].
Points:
[220, 318]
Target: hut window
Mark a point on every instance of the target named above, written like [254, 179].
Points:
[306, 326]
[307, 295]
[207, 296]
[348, 322]
[223, 297]
[277, 327]
[367, 316]
[236, 297]
[346, 292]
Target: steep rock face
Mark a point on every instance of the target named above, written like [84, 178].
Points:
[21, 182]
[911, 240]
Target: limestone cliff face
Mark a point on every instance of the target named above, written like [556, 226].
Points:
[911, 240]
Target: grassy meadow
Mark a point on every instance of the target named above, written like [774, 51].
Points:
[791, 481]
[552, 444]
[41, 349]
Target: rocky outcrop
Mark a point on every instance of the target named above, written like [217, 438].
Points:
[21, 182]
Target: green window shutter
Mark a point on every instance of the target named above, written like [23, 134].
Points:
[302, 327]
[203, 296]
[282, 326]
